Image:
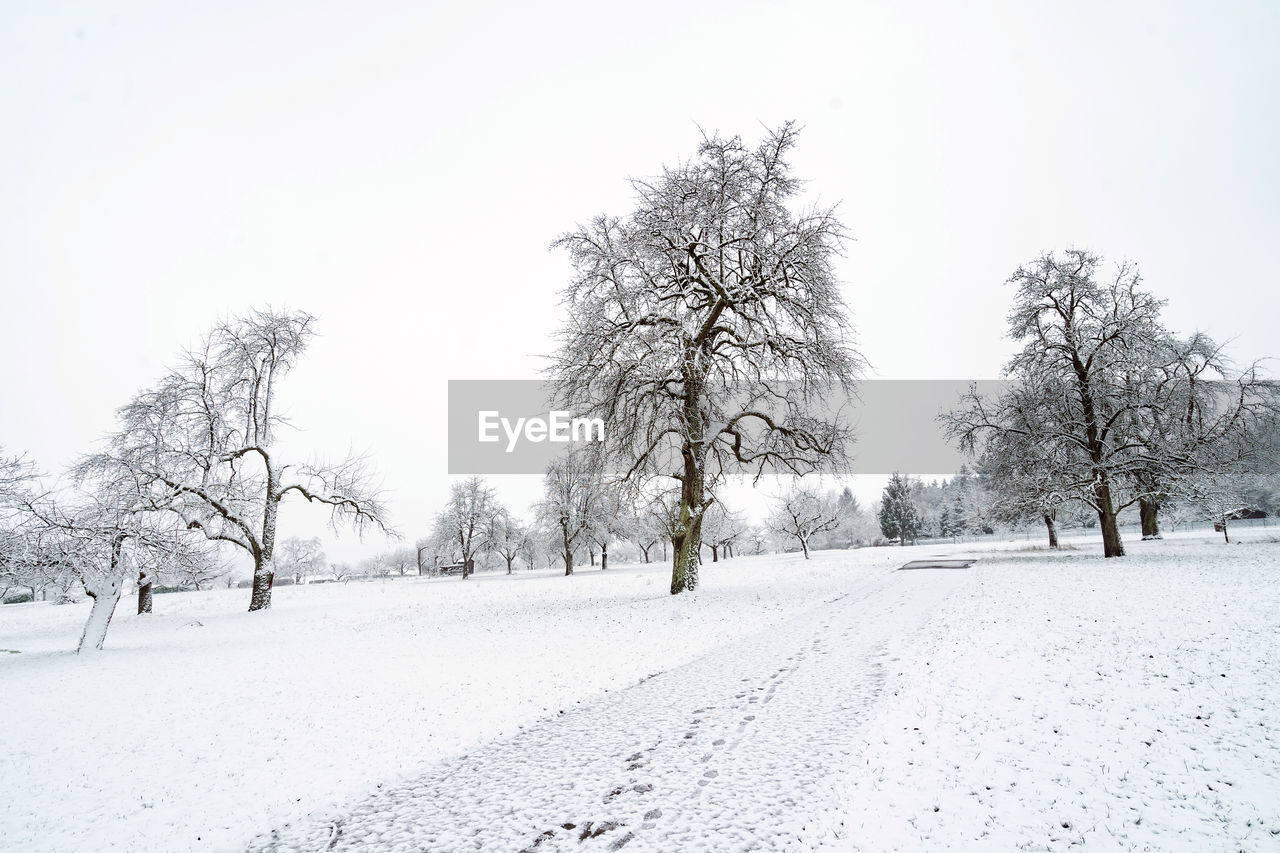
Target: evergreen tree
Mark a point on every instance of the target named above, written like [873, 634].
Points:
[899, 518]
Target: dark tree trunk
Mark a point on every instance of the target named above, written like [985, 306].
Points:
[804, 546]
[1225, 537]
[645, 551]
[144, 592]
[1111, 544]
[568, 547]
[1050, 522]
[604, 556]
[510, 560]
[715, 553]
[1149, 511]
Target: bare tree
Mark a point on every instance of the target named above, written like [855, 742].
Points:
[466, 520]
[707, 328]
[508, 537]
[23, 562]
[803, 513]
[1203, 420]
[571, 496]
[721, 528]
[1029, 478]
[376, 567]
[300, 559]
[403, 560]
[1107, 407]
[609, 519]
[1081, 339]
[204, 441]
[197, 566]
[102, 532]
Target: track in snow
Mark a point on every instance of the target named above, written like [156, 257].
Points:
[741, 749]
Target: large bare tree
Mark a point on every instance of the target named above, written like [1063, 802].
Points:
[204, 441]
[1106, 406]
[707, 328]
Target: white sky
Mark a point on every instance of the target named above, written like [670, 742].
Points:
[399, 169]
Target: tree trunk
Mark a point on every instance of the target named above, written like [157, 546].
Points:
[263, 578]
[105, 594]
[567, 545]
[1149, 511]
[264, 574]
[1225, 538]
[104, 598]
[1051, 523]
[510, 560]
[645, 551]
[687, 543]
[604, 556]
[715, 553]
[144, 592]
[1111, 544]
[804, 546]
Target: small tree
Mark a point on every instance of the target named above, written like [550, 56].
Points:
[403, 560]
[467, 520]
[570, 503]
[376, 567]
[300, 559]
[508, 537]
[899, 518]
[721, 529]
[803, 513]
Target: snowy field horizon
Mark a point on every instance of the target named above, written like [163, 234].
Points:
[1037, 700]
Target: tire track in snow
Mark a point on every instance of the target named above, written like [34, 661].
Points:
[741, 749]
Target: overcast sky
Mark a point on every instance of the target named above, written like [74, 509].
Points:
[399, 170]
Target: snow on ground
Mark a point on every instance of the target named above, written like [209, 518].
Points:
[195, 737]
[1074, 702]
[734, 751]
[1035, 701]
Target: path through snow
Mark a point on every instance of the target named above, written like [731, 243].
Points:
[742, 749]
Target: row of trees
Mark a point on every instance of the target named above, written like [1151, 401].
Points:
[194, 464]
[583, 513]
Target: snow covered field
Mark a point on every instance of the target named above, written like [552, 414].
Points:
[1034, 701]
